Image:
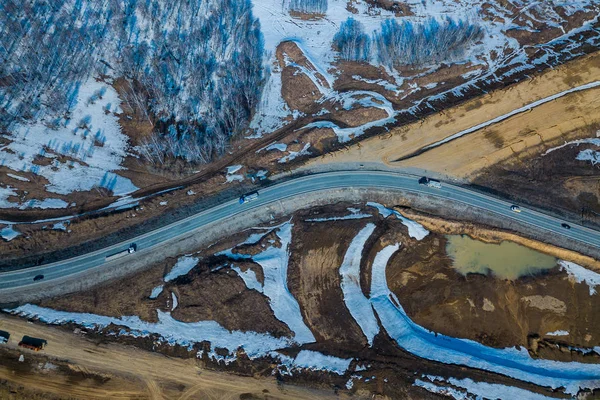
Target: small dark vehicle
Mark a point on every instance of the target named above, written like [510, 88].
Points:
[38, 277]
[32, 343]
[565, 225]
[248, 197]
[432, 183]
[4, 336]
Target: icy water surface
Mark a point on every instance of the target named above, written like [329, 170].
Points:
[506, 260]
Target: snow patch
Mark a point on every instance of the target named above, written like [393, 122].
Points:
[558, 333]
[234, 178]
[345, 217]
[232, 169]
[19, 178]
[509, 361]
[295, 154]
[357, 304]
[8, 233]
[156, 291]
[590, 155]
[594, 141]
[182, 267]
[249, 278]
[580, 274]
[91, 139]
[169, 329]
[274, 262]
[315, 361]
[277, 146]
[174, 303]
[468, 388]
[44, 204]
[415, 230]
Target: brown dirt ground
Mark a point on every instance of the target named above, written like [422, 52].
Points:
[479, 307]
[107, 370]
[432, 292]
[315, 280]
[205, 293]
[405, 140]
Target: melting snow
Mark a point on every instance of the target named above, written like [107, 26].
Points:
[171, 330]
[580, 275]
[558, 333]
[589, 155]
[274, 262]
[182, 267]
[511, 362]
[272, 109]
[5, 193]
[156, 291]
[234, 178]
[314, 360]
[174, 300]
[231, 176]
[8, 233]
[249, 278]
[345, 217]
[17, 177]
[232, 169]
[277, 146]
[295, 154]
[60, 226]
[91, 138]
[594, 141]
[444, 390]
[359, 306]
[415, 230]
[44, 204]
[480, 390]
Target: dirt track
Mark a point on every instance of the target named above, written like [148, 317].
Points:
[464, 157]
[134, 373]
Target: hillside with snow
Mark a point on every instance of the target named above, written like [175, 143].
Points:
[184, 79]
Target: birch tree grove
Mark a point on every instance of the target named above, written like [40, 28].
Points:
[401, 43]
[193, 68]
[352, 42]
[308, 6]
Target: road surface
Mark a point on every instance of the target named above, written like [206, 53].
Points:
[298, 186]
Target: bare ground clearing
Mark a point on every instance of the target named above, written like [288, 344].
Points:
[146, 375]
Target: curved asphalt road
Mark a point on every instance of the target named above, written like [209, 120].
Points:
[298, 186]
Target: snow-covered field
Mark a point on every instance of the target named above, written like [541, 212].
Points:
[81, 153]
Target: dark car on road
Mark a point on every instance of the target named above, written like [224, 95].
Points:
[38, 278]
[565, 225]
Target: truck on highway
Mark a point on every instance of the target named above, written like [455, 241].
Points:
[32, 343]
[248, 197]
[433, 183]
[130, 250]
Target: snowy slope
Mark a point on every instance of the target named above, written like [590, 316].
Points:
[91, 139]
